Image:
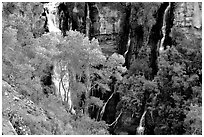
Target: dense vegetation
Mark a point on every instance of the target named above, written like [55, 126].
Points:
[171, 98]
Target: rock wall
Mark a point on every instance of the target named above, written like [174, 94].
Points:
[106, 20]
[7, 127]
[188, 14]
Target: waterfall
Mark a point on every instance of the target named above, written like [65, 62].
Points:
[161, 46]
[141, 127]
[51, 11]
[128, 46]
[60, 78]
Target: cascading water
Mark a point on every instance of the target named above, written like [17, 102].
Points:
[141, 127]
[128, 46]
[60, 81]
[161, 46]
[51, 11]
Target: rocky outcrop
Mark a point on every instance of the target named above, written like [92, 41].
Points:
[106, 19]
[188, 18]
[21, 116]
[7, 127]
[15, 109]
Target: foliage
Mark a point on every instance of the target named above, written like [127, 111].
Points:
[25, 60]
[86, 126]
[140, 67]
[61, 122]
[193, 121]
[77, 54]
[17, 60]
[179, 83]
[173, 97]
[26, 18]
[174, 85]
[96, 101]
[135, 91]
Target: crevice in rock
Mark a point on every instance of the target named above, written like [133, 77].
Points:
[155, 36]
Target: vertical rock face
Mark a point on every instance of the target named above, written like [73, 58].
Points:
[188, 14]
[106, 20]
[197, 17]
[7, 128]
[68, 15]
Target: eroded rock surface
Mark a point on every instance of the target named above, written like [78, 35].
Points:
[7, 127]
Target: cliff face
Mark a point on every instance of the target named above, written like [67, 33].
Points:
[188, 14]
[105, 25]
[188, 18]
[106, 19]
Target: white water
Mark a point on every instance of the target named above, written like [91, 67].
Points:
[128, 46]
[141, 127]
[161, 46]
[61, 82]
[51, 16]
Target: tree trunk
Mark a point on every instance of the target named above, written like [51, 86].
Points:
[62, 80]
